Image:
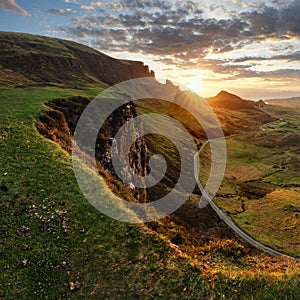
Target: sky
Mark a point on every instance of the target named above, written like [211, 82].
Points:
[250, 48]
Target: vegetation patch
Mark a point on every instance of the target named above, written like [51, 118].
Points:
[54, 244]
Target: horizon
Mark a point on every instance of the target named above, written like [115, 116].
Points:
[248, 48]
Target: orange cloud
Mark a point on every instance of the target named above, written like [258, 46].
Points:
[12, 5]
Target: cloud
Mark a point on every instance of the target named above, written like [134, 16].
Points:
[277, 21]
[167, 31]
[61, 12]
[214, 7]
[292, 57]
[13, 6]
[74, 1]
[181, 34]
[91, 6]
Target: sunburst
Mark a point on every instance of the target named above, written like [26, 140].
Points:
[196, 84]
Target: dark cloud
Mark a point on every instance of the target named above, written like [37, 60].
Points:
[165, 32]
[240, 71]
[293, 57]
[279, 2]
[278, 21]
[61, 12]
[281, 73]
[180, 32]
[263, 22]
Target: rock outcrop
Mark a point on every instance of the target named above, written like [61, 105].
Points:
[138, 153]
[59, 123]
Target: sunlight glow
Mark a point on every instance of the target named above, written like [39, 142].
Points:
[196, 84]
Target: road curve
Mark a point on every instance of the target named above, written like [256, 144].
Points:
[206, 197]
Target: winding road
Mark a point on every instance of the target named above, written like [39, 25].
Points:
[206, 197]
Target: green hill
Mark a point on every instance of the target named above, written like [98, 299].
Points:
[27, 59]
[55, 245]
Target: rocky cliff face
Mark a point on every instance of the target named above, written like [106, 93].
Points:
[138, 154]
[44, 60]
[59, 125]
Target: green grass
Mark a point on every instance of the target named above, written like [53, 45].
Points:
[264, 217]
[39, 45]
[53, 240]
[32, 60]
[288, 176]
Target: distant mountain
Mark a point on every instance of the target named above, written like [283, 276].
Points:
[287, 102]
[27, 59]
[230, 101]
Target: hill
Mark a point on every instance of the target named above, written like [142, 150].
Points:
[27, 59]
[287, 102]
[54, 244]
[230, 101]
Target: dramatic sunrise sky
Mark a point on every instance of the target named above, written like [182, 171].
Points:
[251, 48]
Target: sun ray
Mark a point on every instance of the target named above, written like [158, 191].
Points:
[196, 84]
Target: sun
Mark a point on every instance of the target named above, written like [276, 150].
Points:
[196, 84]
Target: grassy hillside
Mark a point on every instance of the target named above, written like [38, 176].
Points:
[230, 101]
[54, 244]
[261, 178]
[27, 59]
[261, 186]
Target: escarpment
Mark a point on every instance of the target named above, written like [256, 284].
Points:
[106, 148]
[59, 124]
[27, 59]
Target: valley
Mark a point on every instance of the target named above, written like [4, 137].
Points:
[55, 244]
[261, 185]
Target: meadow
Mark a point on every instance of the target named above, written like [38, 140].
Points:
[54, 244]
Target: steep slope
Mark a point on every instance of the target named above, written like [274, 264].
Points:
[54, 244]
[32, 59]
[236, 114]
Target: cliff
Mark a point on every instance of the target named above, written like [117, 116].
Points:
[31, 59]
[59, 123]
